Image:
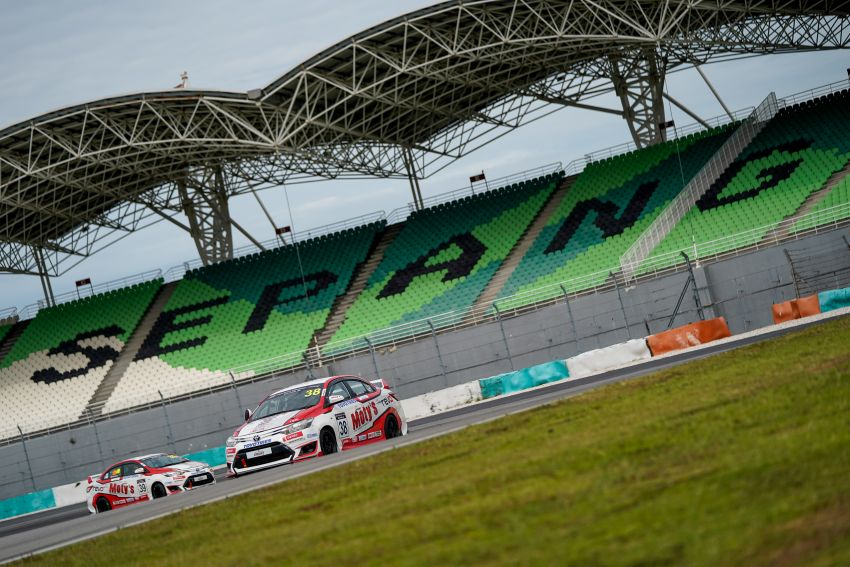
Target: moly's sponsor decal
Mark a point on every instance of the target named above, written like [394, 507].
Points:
[116, 488]
[364, 415]
[256, 443]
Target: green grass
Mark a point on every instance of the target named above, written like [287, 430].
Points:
[739, 459]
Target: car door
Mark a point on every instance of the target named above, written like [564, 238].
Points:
[366, 411]
[117, 487]
[135, 482]
[343, 410]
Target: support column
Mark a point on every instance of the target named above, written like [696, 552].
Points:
[409, 165]
[44, 277]
[204, 200]
[638, 79]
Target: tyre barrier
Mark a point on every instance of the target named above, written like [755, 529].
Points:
[801, 307]
[602, 359]
[690, 335]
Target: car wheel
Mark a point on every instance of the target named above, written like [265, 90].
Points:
[391, 429]
[158, 491]
[327, 441]
[103, 505]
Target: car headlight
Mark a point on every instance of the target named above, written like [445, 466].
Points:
[298, 426]
[231, 442]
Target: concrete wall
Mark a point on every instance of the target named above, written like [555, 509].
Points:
[741, 289]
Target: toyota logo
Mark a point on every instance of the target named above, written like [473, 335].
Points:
[256, 437]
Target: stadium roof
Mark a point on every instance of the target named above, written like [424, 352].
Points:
[407, 96]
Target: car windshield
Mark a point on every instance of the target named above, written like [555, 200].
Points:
[289, 400]
[160, 461]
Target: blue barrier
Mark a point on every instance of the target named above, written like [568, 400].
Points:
[27, 503]
[834, 299]
[213, 457]
[523, 379]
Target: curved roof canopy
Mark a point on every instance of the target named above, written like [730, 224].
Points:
[432, 85]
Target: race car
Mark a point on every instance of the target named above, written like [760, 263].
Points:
[312, 419]
[144, 478]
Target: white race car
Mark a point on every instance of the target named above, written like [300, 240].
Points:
[144, 478]
[312, 419]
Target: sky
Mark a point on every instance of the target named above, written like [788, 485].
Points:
[55, 53]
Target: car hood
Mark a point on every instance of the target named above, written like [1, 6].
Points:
[266, 423]
[189, 467]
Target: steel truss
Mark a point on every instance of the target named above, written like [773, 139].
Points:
[412, 94]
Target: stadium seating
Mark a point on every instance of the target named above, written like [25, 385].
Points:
[244, 311]
[4, 330]
[444, 256]
[607, 208]
[839, 195]
[64, 354]
[792, 157]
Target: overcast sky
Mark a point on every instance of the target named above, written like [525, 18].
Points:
[57, 53]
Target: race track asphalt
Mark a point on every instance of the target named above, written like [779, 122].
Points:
[55, 528]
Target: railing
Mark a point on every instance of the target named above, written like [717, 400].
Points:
[576, 166]
[402, 213]
[8, 313]
[698, 185]
[177, 272]
[30, 311]
[816, 92]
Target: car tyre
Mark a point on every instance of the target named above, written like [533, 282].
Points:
[391, 429]
[158, 491]
[327, 441]
[103, 505]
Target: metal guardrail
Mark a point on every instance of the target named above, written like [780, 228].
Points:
[84, 291]
[816, 92]
[402, 213]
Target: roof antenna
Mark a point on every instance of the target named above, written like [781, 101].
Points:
[184, 81]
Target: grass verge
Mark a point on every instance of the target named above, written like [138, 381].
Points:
[739, 459]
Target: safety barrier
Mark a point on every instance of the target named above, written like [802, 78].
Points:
[694, 334]
[608, 358]
[795, 309]
[524, 379]
[801, 307]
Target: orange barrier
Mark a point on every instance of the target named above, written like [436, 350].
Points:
[796, 308]
[686, 336]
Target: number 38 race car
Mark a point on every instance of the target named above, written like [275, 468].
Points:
[144, 478]
[312, 419]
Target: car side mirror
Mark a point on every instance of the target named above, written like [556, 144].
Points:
[335, 399]
[247, 414]
[139, 470]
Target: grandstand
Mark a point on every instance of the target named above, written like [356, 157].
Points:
[234, 314]
[460, 261]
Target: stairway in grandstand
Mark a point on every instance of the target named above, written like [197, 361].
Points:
[14, 331]
[361, 276]
[116, 371]
[794, 156]
[510, 264]
[811, 203]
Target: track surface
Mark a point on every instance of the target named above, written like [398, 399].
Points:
[55, 528]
